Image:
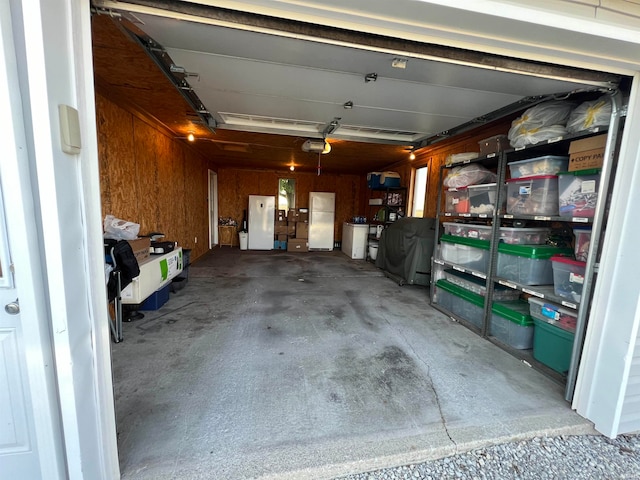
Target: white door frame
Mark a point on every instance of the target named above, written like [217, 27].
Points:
[54, 64]
[40, 394]
[213, 209]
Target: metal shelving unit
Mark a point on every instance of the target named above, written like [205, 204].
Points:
[500, 162]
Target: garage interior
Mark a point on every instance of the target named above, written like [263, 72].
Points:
[279, 364]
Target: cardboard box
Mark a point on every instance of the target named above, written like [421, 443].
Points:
[292, 215]
[303, 217]
[281, 215]
[282, 237]
[297, 245]
[302, 230]
[140, 247]
[291, 229]
[280, 230]
[587, 153]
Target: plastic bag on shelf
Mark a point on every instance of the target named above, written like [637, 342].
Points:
[590, 114]
[466, 175]
[532, 135]
[543, 115]
[118, 229]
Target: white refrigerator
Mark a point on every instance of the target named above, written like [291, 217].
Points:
[262, 211]
[321, 220]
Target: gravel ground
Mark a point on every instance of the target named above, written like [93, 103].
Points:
[565, 457]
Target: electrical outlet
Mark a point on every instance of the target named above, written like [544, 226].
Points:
[195, 240]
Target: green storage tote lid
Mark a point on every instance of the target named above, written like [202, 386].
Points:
[536, 252]
[578, 173]
[516, 311]
[470, 242]
[460, 292]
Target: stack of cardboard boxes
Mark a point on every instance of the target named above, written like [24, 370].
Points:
[292, 230]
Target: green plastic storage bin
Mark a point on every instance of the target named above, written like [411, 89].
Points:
[511, 323]
[552, 346]
[469, 253]
[528, 264]
[467, 305]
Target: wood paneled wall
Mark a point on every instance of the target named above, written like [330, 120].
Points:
[434, 157]
[151, 179]
[235, 186]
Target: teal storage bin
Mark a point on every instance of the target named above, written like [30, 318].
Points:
[552, 346]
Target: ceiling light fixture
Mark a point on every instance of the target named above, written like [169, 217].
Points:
[191, 137]
[348, 105]
[412, 156]
[292, 168]
[370, 77]
[399, 63]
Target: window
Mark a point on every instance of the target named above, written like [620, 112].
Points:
[419, 192]
[286, 194]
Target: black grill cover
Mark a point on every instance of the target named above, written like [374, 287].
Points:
[405, 250]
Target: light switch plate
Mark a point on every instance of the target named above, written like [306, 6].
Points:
[69, 129]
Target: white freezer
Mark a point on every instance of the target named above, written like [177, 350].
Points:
[262, 210]
[354, 240]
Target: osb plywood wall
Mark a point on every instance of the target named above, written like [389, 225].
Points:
[434, 157]
[235, 186]
[151, 179]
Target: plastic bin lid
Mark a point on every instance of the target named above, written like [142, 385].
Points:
[578, 173]
[516, 311]
[532, 177]
[470, 242]
[472, 279]
[582, 229]
[484, 185]
[463, 293]
[533, 251]
[568, 261]
[537, 159]
[456, 189]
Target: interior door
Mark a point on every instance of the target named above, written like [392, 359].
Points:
[28, 448]
[18, 449]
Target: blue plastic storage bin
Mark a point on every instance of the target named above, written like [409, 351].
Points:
[157, 299]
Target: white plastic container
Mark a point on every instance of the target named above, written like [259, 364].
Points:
[554, 314]
[581, 245]
[533, 196]
[456, 200]
[467, 230]
[578, 193]
[547, 165]
[524, 236]
[568, 277]
[482, 198]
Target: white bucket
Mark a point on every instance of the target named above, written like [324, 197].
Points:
[373, 251]
[244, 240]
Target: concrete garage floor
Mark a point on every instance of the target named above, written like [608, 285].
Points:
[290, 366]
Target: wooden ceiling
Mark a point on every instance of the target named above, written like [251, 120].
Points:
[126, 75]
